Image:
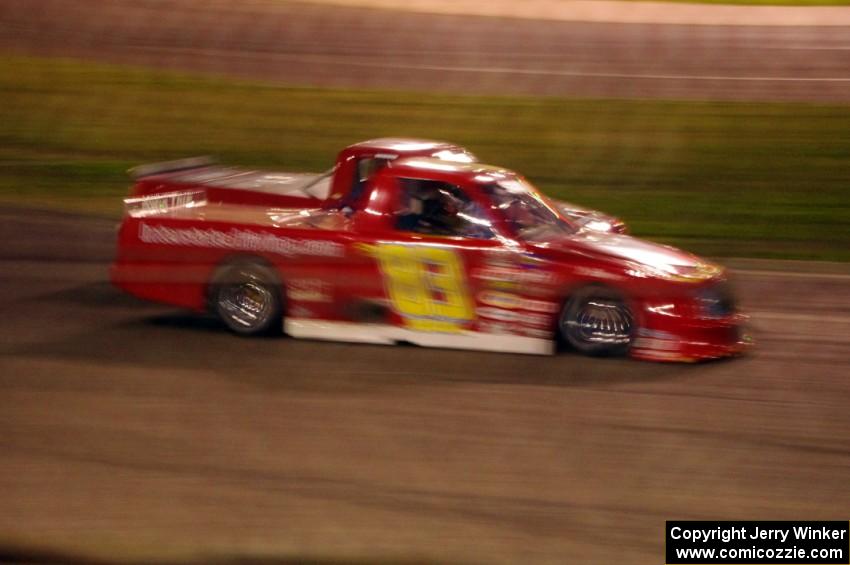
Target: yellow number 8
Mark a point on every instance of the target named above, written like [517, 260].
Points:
[426, 286]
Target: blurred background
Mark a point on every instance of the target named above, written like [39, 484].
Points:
[129, 432]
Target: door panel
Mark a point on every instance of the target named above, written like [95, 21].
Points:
[427, 282]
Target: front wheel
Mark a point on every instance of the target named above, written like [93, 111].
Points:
[246, 297]
[597, 321]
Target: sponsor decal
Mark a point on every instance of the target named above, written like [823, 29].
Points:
[164, 202]
[489, 327]
[539, 320]
[504, 286]
[510, 301]
[498, 314]
[526, 318]
[239, 239]
[596, 273]
[655, 344]
[499, 299]
[506, 328]
[514, 275]
[544, 306]
[308, 290]
[508, 271]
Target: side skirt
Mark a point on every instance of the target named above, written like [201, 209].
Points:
[384, 334]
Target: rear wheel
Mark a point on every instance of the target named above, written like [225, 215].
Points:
[246, 297]
[597, 321]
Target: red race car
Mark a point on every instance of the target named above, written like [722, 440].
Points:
[415, 241]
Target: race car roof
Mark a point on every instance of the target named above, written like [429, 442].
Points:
[404, 144]
[413, 164]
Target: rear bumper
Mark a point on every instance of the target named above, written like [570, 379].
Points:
[693, 340]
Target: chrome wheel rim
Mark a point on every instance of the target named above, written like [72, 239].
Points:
[247, 303]
[601, 322]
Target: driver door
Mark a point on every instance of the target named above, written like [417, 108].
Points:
[440, 240]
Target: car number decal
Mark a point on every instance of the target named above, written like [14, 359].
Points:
[426, 286]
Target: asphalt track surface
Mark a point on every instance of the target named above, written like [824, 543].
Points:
[309, 44]
[138, 431]
[135, 431]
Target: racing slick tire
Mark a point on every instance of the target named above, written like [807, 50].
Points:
[597, 321]
[246, 296]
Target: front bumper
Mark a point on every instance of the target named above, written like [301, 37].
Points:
[692, 340]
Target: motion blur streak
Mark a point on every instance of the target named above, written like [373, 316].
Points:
[300, 43]
[137, 432]
[181, 440]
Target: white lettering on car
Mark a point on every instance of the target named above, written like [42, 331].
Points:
[237, 239]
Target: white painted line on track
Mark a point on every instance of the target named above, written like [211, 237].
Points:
[554, 72]
[616, 12]
[372, 63]
[791, 274]
[768, 315]
[803, 47]
[545, 72]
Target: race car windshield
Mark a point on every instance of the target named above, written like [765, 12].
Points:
[525, 211]
[320, 186]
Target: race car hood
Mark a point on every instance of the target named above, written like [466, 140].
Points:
[643, 258]
[593, 220]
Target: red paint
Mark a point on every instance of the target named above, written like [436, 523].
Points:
[316, 240]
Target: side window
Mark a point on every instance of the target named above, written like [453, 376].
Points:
[438, 208]
[366, 167]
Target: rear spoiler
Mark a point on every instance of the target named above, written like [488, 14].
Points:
[170, 166]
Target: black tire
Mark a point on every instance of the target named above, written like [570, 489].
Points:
[246, 296]
[597, 321]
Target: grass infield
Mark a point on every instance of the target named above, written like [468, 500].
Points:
[719, 178]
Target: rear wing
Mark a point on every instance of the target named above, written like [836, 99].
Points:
[170, 166]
